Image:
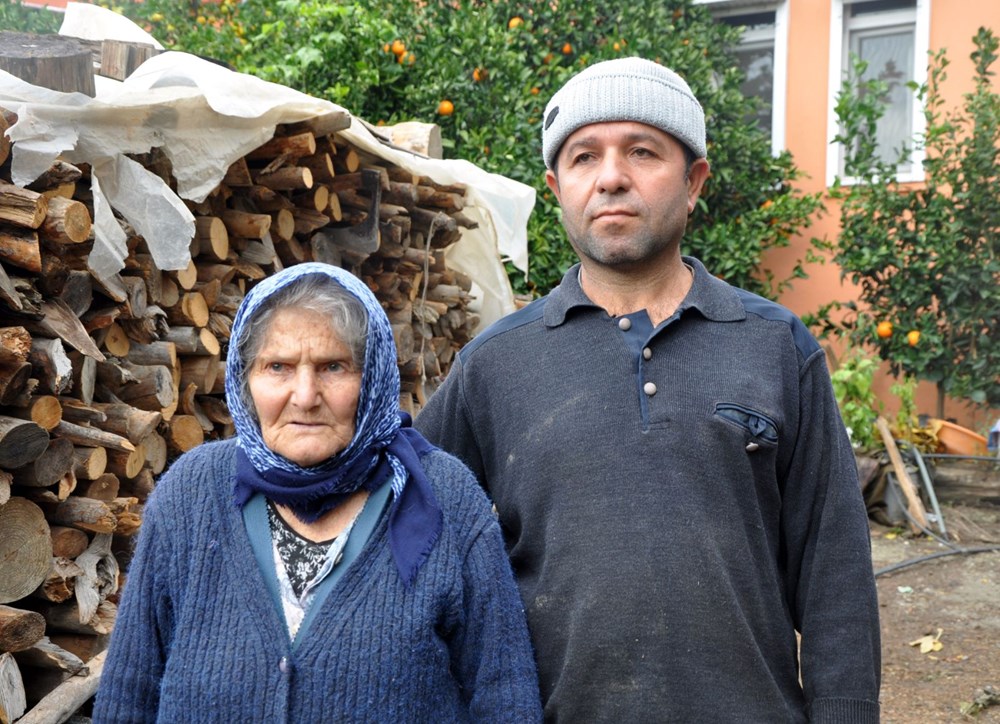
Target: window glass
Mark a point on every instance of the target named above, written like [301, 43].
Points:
[756, 58]
[883, 33]
[890, 60]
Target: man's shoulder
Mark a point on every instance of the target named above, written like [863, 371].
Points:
[770, 311]
[502, 329]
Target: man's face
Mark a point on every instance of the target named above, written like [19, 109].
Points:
[624, 193]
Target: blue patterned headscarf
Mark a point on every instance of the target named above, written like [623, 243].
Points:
[383, 445]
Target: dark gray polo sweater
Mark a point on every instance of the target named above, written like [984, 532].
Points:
[678, 502]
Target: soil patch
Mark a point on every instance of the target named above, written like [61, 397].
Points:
[954, 598]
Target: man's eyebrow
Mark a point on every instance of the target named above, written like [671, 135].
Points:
[590, 140]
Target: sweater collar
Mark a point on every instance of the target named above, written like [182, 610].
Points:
[713, 298]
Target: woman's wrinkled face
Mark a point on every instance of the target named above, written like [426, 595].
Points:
[305, 388]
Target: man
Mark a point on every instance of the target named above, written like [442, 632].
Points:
[664, 451]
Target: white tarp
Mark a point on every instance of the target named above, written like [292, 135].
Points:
[204, 117]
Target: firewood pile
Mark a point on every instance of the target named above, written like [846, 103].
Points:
[104, 382]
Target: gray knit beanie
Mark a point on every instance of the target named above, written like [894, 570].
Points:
[624, 89]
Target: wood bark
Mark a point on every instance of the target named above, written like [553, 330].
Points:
[51, 61]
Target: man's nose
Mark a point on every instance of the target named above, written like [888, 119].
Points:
[612, 175]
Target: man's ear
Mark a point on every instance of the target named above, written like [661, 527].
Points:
[697, 175]
[552, 181]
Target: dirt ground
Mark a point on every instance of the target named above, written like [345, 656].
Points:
[955, 598]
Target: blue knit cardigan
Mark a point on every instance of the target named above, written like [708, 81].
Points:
[199, 639]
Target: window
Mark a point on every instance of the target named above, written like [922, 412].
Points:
[762, 56]
[892, 37]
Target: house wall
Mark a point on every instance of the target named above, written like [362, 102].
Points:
[953, 24]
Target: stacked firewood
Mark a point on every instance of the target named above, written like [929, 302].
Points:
[104, 381]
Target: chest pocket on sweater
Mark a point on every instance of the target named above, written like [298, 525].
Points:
[761, 430]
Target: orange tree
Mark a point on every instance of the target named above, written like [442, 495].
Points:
[927, 258]
[497, 63]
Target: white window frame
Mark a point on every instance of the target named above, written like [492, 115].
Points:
[920, 18]
[779, 88]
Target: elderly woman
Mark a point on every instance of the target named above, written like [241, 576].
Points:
[328, 564]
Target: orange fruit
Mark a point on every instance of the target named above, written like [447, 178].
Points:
[479, 74]
[884, 330]
[386, 48]
[617, 46]
[535, 91]
[912, 337]
[515, 22]
[397, 47]
[446, 107]
[567, 49]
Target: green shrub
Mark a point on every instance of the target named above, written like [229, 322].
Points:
[342, 51]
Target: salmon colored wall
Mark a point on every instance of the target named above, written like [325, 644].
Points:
[807, 137]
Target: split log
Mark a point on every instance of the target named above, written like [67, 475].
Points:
[52, 366]
[12, 699]
[212, 236]
[59, 174]
[20, 247]
[68, 542]
[20, 629]
[43, 410]
[84, 514]
[129, 422]
[191, 311]
[22, 207]
[120, 58]
[14, 379]
[49, 467]
[126, 464]
[25, 548]
[89, 463]
[153, 388]
[193, 341]
[155, 446]
[86, 436]
[86, 646]
[200, 371]
[51, 61]
[293, 146]
[69, 618]
[104, 487]
[46, 655]
[98, 580]
[60, 322]
[67, 698]
[66, 221]
[184, 433]
[245, 224]
[21, 442]
[60, 584]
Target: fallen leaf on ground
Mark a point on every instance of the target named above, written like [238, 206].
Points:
[929, 643]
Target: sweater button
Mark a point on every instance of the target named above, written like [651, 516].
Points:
[624, 324]
[647, 353]
[649, 388]
[284, 666]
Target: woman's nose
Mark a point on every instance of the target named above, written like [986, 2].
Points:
[305, 387]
